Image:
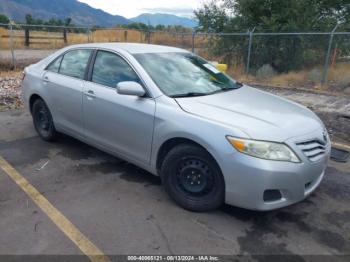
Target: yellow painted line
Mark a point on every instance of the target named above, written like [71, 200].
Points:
[341, 145]
[71, 231]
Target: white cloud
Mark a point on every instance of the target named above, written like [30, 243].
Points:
[131, 8]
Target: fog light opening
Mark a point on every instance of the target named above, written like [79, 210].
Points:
[308, 185]
[272, 195]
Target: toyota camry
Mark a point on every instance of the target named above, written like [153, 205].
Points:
[211, 139]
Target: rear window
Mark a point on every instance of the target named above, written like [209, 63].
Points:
[74, 63]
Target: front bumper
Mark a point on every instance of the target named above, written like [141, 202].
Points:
[248, 178]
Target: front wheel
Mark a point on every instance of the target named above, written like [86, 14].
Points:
[43, 122]
[193, 178]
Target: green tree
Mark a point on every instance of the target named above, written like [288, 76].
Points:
[136, 25]
[277, 15]
[284, 53]
[45, 25]
[67, 21]
[29, 19]
[212, 17]
[160, 27]
[4, 19]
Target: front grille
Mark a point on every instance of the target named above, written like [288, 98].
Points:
[314, 149]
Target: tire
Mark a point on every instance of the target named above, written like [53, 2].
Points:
[43, 122]
[192, 178]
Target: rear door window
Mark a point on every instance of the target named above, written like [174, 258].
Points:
[74, 63]
[110, 69]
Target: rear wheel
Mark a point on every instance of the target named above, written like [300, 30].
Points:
[43, 122]
[192, 178]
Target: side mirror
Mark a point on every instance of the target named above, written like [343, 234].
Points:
[130, 88]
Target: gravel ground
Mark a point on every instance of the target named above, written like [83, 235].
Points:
[334, 110]
[315, 101]
[23, 57]
[10, 92]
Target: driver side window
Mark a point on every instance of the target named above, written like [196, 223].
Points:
[110, 69]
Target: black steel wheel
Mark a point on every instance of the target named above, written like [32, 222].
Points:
[192, 178]
[42, 120]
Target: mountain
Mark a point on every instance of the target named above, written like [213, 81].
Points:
[81, 14]
[164, 19]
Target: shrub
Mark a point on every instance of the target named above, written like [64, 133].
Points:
[266, 71]
[315, 75]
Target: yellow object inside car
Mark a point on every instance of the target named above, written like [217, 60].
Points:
[221, 67]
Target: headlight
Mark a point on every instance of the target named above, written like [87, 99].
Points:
[263, 149]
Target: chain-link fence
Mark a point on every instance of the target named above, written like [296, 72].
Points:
[305, 59]
[308, 59]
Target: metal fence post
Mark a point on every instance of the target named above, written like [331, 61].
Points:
[326, 63]
[125, 36]
[89, 35]
[193, 40]
[65, 35]
[12, 47]
[26, 36]
[249, 49]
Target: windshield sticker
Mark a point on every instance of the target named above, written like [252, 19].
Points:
[212, 68]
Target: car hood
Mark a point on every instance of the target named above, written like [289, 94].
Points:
[259, 114]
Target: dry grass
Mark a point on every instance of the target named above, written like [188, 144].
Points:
[38, 39]
[3, 31]
[117, 35]
[8, 73]
[340, 74]
[50, 40]
[165, 38]
[76, 38]
[295, 78]
[338, 78]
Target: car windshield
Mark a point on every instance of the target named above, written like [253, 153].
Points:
[185, 74]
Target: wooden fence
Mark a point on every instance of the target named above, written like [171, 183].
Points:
[35, 39]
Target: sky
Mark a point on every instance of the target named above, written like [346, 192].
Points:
[132, 8]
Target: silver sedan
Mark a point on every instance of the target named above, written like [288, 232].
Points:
[210, 138]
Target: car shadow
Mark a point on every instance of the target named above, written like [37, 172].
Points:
[77, 150]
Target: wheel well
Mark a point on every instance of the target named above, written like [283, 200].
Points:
[32, 99]
[170, 144]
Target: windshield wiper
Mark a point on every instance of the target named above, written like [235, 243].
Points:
[225, 89]
[189, 94]
[239, 84]
[218, 82]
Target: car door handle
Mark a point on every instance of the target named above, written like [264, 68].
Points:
[90, 93]
[46, 79]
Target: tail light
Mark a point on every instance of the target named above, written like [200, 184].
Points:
[23, 75]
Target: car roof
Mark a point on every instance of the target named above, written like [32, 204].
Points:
[133, 48]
